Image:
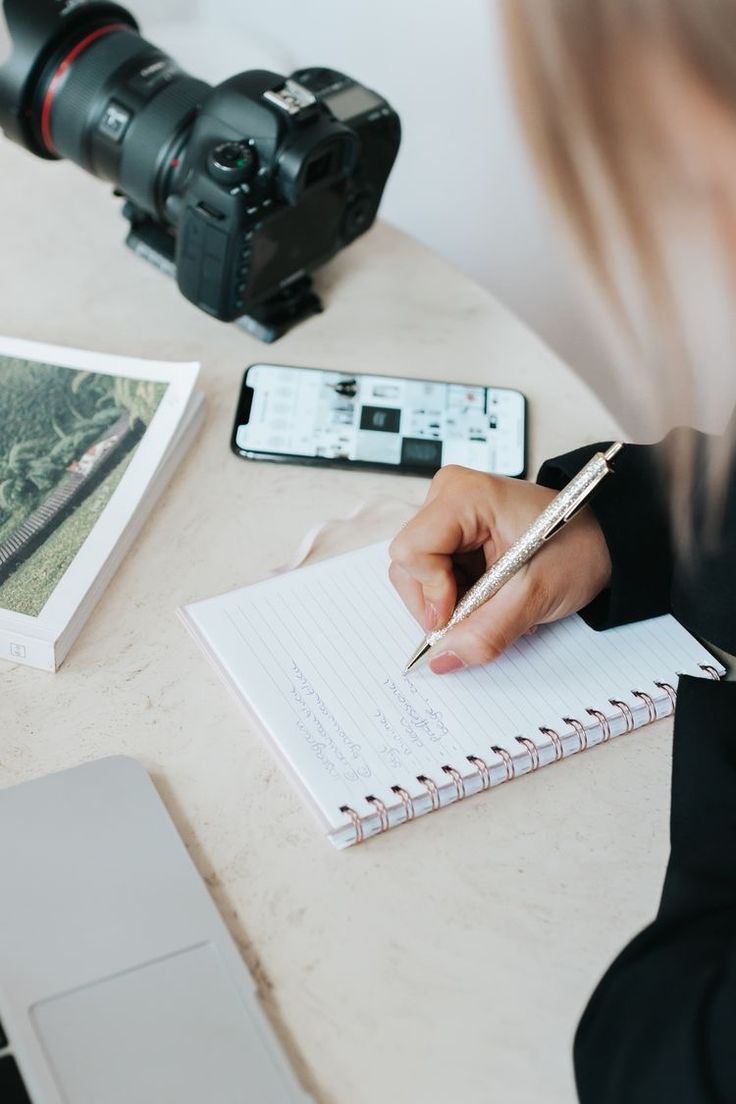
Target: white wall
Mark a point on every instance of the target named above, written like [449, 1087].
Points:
[463, 182]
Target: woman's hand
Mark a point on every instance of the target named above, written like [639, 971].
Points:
[468, 520]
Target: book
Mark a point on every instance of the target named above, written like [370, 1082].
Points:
[88, 441]
[318, 655]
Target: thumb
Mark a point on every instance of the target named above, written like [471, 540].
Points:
[490, 631]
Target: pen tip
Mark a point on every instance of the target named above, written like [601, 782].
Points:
[418, 656]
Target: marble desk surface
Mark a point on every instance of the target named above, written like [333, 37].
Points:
[448, 960]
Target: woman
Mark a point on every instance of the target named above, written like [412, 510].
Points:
[631, 110]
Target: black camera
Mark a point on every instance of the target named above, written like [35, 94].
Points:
[240, 190]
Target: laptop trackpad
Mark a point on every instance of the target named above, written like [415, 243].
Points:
[175, 1030]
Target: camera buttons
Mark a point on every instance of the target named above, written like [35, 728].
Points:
[232, 163]
[114, 121]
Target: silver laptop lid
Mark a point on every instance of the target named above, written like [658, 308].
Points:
[118, 979]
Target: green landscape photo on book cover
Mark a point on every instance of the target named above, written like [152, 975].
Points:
[66, 438]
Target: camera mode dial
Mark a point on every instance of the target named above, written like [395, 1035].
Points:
[232, 163]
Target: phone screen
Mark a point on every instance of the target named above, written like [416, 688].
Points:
[318, 416]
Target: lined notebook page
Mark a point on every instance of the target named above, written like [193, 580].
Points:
[318, 655]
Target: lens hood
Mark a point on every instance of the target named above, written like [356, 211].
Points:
[41, 31]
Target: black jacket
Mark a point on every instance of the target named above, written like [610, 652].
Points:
[661, 1026]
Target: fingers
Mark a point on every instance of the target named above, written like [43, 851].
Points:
[422, 568]
[493, 628]
[410, 591]
[468, 520]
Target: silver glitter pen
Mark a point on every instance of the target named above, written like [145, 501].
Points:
[561, 509]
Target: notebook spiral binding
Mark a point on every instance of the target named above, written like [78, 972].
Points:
[484, 768]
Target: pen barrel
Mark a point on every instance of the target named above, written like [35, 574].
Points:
[521, 551]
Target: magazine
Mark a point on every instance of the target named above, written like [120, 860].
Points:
[87, 443]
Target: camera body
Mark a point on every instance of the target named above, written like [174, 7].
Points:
[241, 191]
[273, 183]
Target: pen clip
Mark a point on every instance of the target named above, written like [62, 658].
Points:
[587, 494]
[574, 509]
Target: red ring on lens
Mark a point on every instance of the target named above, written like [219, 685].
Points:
[55, 81]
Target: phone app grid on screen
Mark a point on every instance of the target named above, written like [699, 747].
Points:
[418, 424]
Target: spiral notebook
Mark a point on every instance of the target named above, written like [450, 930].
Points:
[318, 655]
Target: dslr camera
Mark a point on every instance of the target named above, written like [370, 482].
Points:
[240, 190]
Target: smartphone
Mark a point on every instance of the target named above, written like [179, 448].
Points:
[351, 420]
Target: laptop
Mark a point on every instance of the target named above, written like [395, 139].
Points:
[119, 982]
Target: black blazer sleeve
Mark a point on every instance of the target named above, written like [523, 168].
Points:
[632, 507]
[660, 1026]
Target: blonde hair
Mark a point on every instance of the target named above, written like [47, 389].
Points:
[585, 75]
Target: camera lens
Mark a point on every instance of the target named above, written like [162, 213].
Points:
[89, 88]
[120, 110]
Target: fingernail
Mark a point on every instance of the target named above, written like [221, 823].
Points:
[430, 616]
[446, 662]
